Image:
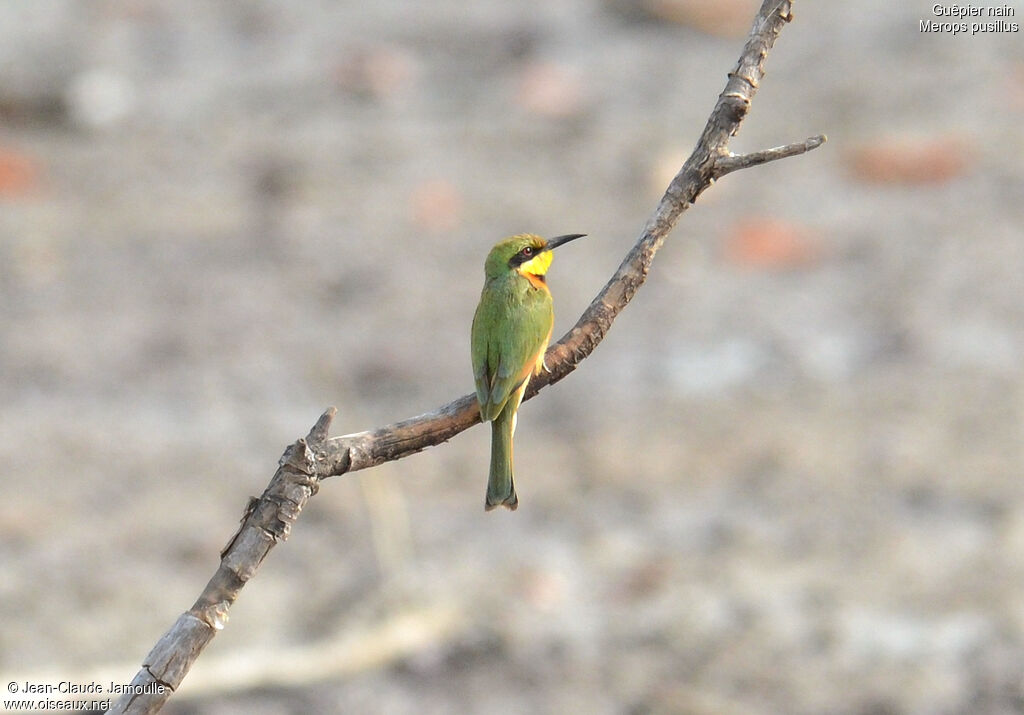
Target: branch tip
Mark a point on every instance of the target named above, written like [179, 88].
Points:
[323, 425]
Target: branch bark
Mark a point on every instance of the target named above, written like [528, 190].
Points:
[269, 519]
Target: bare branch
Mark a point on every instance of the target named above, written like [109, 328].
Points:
[268, 519]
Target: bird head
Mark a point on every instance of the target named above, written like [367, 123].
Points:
[525, 253]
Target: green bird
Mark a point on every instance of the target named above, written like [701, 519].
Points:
[511, 330]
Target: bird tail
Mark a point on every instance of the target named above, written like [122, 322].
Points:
[501, 491]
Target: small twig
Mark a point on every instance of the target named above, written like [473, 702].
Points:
[269, 519]
[730, 162]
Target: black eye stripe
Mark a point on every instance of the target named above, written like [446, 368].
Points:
[524, 255]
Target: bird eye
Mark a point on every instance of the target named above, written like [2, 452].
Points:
[527, 252]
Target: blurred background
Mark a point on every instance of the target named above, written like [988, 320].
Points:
[789, 480]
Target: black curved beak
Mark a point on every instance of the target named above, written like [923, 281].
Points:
[557, 241]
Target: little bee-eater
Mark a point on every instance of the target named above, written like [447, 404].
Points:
[511, 330]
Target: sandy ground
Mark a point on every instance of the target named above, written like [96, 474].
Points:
[789, 481]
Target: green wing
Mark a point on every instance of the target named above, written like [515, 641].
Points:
[507, 340]
[480, 340]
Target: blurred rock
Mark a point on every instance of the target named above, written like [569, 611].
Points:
[1016, 86]
[37, 109]
[376, 72]
[706, 369]
[910, 159]
[549, 89]
[723, 18]
[36, 263]
[436, 206]
[19, 173]
[871, 635]
[766, 242]
[99, 98]
[543, 589]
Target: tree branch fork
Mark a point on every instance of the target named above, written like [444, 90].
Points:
[315, 457]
